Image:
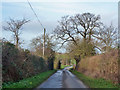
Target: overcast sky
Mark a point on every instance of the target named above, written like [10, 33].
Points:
[50, 12]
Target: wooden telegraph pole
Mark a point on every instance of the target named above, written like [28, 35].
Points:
[44, 44]
[41, 25]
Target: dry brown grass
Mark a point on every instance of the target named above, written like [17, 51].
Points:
[101, 66]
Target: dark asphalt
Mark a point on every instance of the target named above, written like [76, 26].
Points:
[55, 81]
[62, 79]
[71, 81]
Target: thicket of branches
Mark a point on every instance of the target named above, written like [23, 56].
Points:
[15, 26]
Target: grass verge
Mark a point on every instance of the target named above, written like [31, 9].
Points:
[93, 82]
[31, 82]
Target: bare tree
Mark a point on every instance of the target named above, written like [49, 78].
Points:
[85, 24]
[37, 45]
[71, 28]
[15, 27]
[107, 37]
[64, 31]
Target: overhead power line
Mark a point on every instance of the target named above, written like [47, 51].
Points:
[41, 25]
[35, 14]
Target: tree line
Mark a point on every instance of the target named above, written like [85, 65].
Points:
[82, 34]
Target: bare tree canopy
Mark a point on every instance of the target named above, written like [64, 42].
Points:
[37, 45]
[64, 30]
[81, 25]
[15, 26]
[86, 24]
[107, 36]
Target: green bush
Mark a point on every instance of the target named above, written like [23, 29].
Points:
[19, 64]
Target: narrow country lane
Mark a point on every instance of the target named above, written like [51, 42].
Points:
[63, 79]
[55, 81]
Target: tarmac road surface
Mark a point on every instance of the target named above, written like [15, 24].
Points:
[63, 79]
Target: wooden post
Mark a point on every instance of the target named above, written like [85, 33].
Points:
[44, 44]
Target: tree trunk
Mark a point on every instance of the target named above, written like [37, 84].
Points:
[90, 33]
[76, 67]
[17, 41]
[59, 64]
[77, 58]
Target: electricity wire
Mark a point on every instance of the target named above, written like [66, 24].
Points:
[35, 14]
